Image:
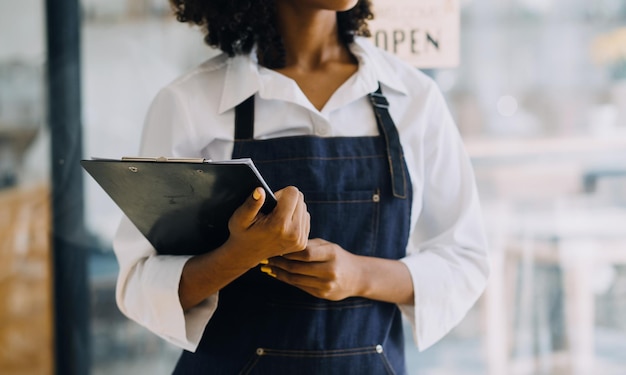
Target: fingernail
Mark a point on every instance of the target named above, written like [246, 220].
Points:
[264, 261]
[256, 194]
[268, 270]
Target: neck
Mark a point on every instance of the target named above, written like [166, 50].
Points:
[310, 36]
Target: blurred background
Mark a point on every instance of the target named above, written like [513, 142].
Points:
[539, 98]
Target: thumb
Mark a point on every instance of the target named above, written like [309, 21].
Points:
[248, 211]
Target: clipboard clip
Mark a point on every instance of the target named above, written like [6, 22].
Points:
[164, 159]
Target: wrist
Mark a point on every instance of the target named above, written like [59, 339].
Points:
[362, 283]
[384, 280]
[204, 275]
[238, 255]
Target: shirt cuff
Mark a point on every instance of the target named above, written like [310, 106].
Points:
[169, 320]
[435, 311]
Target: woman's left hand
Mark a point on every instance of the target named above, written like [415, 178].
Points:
[323, 269]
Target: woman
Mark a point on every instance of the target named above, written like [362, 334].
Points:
[377, 207]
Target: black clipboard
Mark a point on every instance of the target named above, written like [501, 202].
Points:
[182, 206]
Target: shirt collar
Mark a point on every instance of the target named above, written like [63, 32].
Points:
[241, 81]
[243, 78]
[376, 67]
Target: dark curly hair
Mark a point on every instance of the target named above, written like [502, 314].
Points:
[234, 26]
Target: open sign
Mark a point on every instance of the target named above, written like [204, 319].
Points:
[425, 33]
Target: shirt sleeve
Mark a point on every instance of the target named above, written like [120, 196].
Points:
[147, 284]
[447, 251]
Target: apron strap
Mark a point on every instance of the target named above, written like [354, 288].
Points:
[388, 129]
[244, 120]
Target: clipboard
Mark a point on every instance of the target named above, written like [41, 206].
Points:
[181, 205]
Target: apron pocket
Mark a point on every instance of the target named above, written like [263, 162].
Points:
[347, 218]
[355, 361]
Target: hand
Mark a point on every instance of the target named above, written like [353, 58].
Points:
[258, 236]
[323, 269]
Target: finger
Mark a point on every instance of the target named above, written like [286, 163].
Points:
[318, 241]
[287, 200]
[315, 251]
[302, 281]
[293, 266]
[301, 221]
[248, 211]
[305, 226]
[301, 256]
[299, 208]
[313, 285]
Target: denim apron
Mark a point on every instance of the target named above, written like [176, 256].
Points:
[358, 193]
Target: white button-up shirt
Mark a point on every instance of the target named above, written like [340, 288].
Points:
[194, 117]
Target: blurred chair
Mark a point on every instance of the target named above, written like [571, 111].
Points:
[496, 303]
[574, 234]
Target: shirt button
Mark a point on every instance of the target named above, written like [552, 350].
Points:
[379, 349]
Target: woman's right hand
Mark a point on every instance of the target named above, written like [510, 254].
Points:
[256, 236]
[253, 237]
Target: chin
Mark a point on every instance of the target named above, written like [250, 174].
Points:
[346, 5]
[336, 5]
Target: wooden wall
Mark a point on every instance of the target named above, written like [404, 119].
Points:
[26, 336]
